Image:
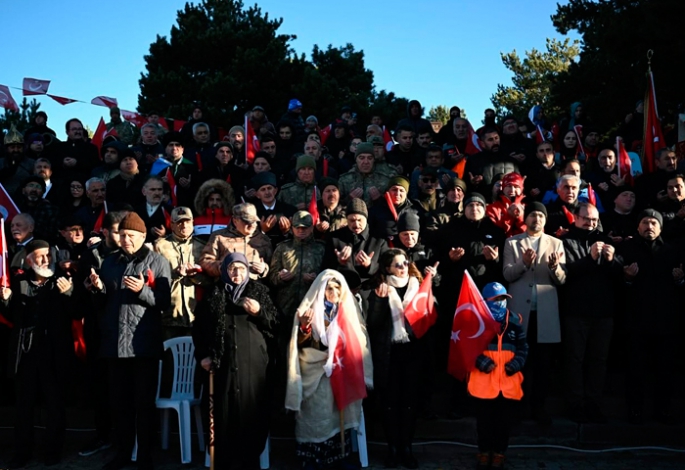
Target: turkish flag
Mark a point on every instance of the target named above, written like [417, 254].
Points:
[6, 100]
[163, 123]
[101, 133]
[251, 141]
[178, 125]
[625, 166]
[150, 279]
[391, 206]
[136, 119]
[172, 186]
[653, 140]
[97, 228]
[34, 86]
[104, 101]
[473, 144]
[387, 138]
[473, 328]
[591, 198]
[578, 129]
[421, 313]
[324, 133]
[8, 209]
[346, 371]
[313, 208]
[4, 264]
[62, 100]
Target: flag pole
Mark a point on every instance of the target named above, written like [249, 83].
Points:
[342, 432]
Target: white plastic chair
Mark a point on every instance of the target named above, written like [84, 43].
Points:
[359, 443]
[263, 458]
[182, 397]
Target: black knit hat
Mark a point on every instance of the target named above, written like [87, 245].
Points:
[475, 197]
[409, 221]
[653, 214]
[357, 206]
[328, 181]
[534, 206]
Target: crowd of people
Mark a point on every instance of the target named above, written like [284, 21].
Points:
[162, 234]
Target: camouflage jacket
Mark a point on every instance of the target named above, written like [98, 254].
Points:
[299, 258]
[353, 179]
[127, 132]
[229, 240]
[183, 299]
[297, 193]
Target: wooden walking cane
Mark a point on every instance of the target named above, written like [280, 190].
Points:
[211, 418]
[342, 432]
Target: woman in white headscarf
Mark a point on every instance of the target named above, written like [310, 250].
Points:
[310, 364]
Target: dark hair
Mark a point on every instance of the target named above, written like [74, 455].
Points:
[267, 138]
[487, 130]
[570, 160]
[66, 126]
[582, 205]
[661, 151]
[403, 128]
[112, 218]
[385, 261]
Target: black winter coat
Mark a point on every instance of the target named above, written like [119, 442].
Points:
[589, 290]
[344, 237]
[132, 322]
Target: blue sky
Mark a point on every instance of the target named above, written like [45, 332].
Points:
[437, 51]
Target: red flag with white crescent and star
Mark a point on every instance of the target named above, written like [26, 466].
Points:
[35, 86]
[653, 140]
[625, 166]
[4, 265]
[171, 181]
[6, 100]
[62, 100]
[347, 375]
[324, 133]
[473, 328]
[8, 209]
[421, 313]
[101, 133]
[251, 142]
[104, 101]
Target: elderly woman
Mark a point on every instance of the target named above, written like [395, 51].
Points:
[399, 358]
[310, 365]
[230, 334]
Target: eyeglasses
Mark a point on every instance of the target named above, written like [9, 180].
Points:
[428, 179]
[401, 265]
[75, 186]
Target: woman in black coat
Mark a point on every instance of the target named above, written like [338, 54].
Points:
[230, 334]
[398, 356]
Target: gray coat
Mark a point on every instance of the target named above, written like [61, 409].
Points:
[521, 280]
[132, 323]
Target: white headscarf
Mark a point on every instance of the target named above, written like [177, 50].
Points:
[397, 306]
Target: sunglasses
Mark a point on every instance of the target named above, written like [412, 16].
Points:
[401, 265]
[429, 180]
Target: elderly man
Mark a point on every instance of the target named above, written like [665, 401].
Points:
[39, 305]
[560, 211]
[15, 167]
[299, 193]
[183, 252]
[242, 235]
[362, 181]
[152, 212]
[96, 192]
[534, 265]
[586, 302]
[325, 165]
[21, 228]
[133, 287]
[653, 272]
[149, 148]
[353, 246]
[45, 215]
[274, 215]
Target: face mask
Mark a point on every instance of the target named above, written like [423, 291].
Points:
[498, 309]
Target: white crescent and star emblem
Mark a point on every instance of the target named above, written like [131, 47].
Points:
[35, 85]
[417, 297]
[481, 323]
[4, 212]
[4, 99]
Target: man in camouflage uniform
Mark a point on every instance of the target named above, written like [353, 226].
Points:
[127, 132]
[242, 235]
[362, 181]
[381, 165]
[296, 263]
[299, 193]
[183, 252]
[331, 211]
